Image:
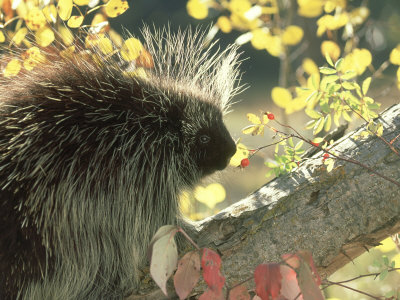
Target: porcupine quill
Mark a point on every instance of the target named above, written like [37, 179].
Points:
[92, 160]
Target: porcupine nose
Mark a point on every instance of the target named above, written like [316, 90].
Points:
[229, 150]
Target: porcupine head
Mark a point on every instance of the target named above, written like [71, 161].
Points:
[93, 158]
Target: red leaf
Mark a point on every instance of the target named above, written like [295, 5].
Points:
[307, 281]
[211, 263]
[268, 281]
[239, 293]
[292, 260]
[307, 257]
[290, 287]
[212, 295]
[188, 274]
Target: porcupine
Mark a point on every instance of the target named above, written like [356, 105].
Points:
[92, 161]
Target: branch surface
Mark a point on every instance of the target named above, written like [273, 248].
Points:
[336, 215]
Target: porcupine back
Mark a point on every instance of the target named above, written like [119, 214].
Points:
[92, 160]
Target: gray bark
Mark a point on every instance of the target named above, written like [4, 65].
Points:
[336, 215]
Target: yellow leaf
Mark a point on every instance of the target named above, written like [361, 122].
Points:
[68, 51]
[198, 9]
[105, 45]
[241, 23]
[358, 60]
[292, 35]
[331, 5]
[2, 37]
[12, 68]
[395, 56]
[210, 195]
[44, 36]
[241, 153]
[259, 38]
[32, 57]
[66, 35]
[281, 97]
[359, 15]
[35, 19]
[251, 129]
[274, 45]
[329, 22]
[131, 49]
[330, 48]
[75, 21]
[64, 9]
[297, 104]
[81, 2]
[310, 8]
[253, 118]
[224, 24]
[114, 8]
[20, 35]
[50, 13]
[398, 78]
[309, 66]
[239, 7]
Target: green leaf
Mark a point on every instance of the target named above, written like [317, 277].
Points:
[338, 64]
[373, 105]
[336, 118]
[331, 78]
[348, 85]
[290, 141]
[310, 124]
[313, 114]
[349, 75]
[329, 59]
[347, 117]
[311, 96]
[328, 123]
[365, 85]
[318, 126]
[385, 260]
[326, 70]
[383, 274]
[330, 163]
[379, 130]
[298, 145]
[314, 81]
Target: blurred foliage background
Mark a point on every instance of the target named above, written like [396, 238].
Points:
[270, 61]
[380, 34]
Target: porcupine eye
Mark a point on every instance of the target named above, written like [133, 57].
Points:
[204, 139]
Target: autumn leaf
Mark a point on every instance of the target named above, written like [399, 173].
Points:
[164, 255]
[114, 8]
[188, 274]
[268, 281]
[292, 35]
[211, 264]
[198, 9]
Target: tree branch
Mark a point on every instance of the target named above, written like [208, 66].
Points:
[336, 215]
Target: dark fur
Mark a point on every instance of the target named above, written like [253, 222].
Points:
[91, 164]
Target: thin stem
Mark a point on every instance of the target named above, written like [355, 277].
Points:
[367, 275]
[188, 238]
[299, 136]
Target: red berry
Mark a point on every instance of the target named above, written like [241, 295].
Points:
[315, 144]
[270, 116]
[325, 156]
[244, 163]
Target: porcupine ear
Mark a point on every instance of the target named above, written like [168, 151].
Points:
[185, 61]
